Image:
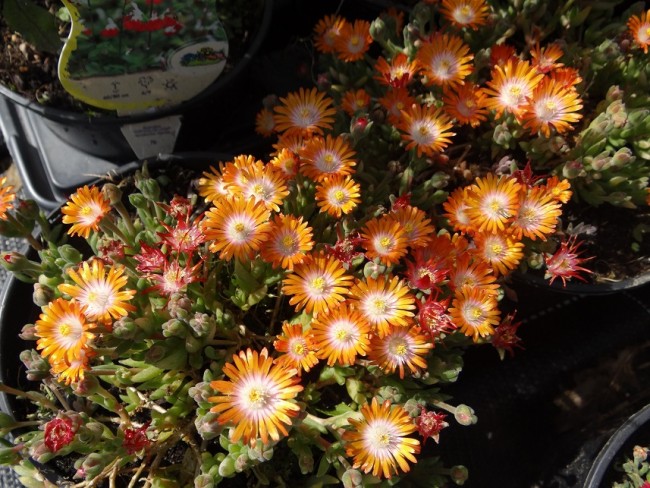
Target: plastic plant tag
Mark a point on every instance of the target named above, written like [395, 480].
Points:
[153, 137]
[131, 56]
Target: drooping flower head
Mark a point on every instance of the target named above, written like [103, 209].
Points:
[425, 129]
[85, 210]
[101, 293]
[297, 346]
[257, 399]
[465, 13]
[505, 338]
[560, 190]
[379, 442]
[341, 335]
[69, 372]
[445, 60]
[63, 330]
[500, 54]
[289, 240]
[640, 29]
[135, 439]
[236, 227]
[304, 112]
[401, 349]
[317, 284]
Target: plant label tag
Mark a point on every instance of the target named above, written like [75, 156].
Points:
[148, 139]
[133, 55]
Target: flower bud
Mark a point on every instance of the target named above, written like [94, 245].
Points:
[93, 465]
[28, 333]
[640, 454]
[203, 325]
[125, 328]
[623, 157]
[28, 209]
[192, 344]
[38, 368]
[464, 415]
[378, 30]
[458, 474]
[204, 481]
[90, 434]
[155, 354]
[124, 376]
[150, 188]
[352, 478]
[70, 254]
[173, 328]
[242, 462]
[179, 306]
[39, 452]
[87, 386]
[112, 193]
[138, 200]
[390, 393]
[14, 261]
[207, 426]
[502, 135]
[201, 392]
[227, 467]
[614, 93]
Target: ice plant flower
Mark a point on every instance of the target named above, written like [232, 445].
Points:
[425, 129]
[290, 239]
[326, 31]
[379, 442]
[100, 292]
[338, 195]
[474, 311]
[317, 284]
[341, 335]
[465, 13]
[395, 101]
[325, 157]
[85, 210]
[355, 101]
[385, 239]
[298, 348]
[566, 262]
[501, 250]
[257, 399]
[511, 86]
[551, 106]
[63, 331]
[445, 60]
[493, 202]
[398, 72]
[59, 432]
[640, 29]
[236, 227]
[304, 113]
[7, 196]
[353, 41]
[136, 440]
[466, 104]
[384, 301]
[537, 215]
[402, 348]
[429, 424]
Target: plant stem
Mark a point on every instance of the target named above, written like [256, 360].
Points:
[31, 396]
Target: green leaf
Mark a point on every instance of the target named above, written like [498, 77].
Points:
[34, 23]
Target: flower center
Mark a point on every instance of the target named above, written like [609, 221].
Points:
[65, 330]
[318, 284]
[379, 305]
[257, 397]
[299, 348]
[339, 196]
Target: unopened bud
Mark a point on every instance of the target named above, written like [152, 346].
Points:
[138, 200]
[87, 386]
[125, 328]
[70, 254]
[112, 193]
[623, 157]
[464, 415]
[179, 306]
[93, 465]
[201, 392]
[28, 333]
[459, 474]
[352, 478]
[203, 325]
[614, 93]
[204, 481]
[173, 328]
[149, 188]
[207, 426]
[42, 295]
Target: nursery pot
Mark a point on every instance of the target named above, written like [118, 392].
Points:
[57, 150]
[635, 431]
[576, 287]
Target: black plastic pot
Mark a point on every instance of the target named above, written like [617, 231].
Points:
[636, 430]
[576, 287]
[57, 151]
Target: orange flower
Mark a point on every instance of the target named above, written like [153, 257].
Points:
[379, 442]
[211, 185]
[503, 252]
[385, 239]
[287, 162]
[395, 101]
[475, 273]
[465, 103]
[353, 40]
[325, 157]
[500, 54]
[85, 210]
[63, 331]
[317, 284]
[292, 142]
[416, 226]
[326, 31]
[236, 227]
[264, 122]
[355, 101]
[493, 201]
[68, 372]
[398, 73]
[511, 85]
[537, 216]
[7, 196]
[101, 295]
[338, 195]
[445, 60]
[551, 105]
[257, 400]
[545, 59]
[640, 29]
[303, 113]
[426, 129]
[456, 208]
[289, 239]
[384, 301]
[566, 77]
[340, 335]
[474, 311]
[264, 183]
[400, 348]
[559, 190]
[465, 13]
[298, 348]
